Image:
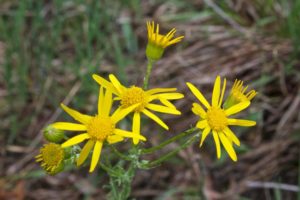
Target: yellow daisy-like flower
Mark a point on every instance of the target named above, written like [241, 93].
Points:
[51, 158]
[144, 99]
[157, 42]
[238, 94]
[97, 129]
[216, 119]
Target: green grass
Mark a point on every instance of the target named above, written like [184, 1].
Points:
[65, 38]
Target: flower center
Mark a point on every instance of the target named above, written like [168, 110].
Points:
[100, 127]
[52, 155]
[239, 96]
[217, 119]
[133, 96]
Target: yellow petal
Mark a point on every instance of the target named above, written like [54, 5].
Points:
[237, 108]
[114, 139]
[96, 155]
[222, 94]
[116, 83]
[168, 96]
[198, 95]
[160, 90]
[241, 122]
[107, 103]
[167, 103]
[204, 135]
[101, 81]
[216, 92]
[232, 136]
[77, 115]
[75, 140]
[228, 146]
[68, 126]
[136, 126]
[128, 134]
[198, 110]
[162, 109]
[218, 146]
[202, 124]
[85, 152]
[120, 113]
[100, 100]
[155, 118]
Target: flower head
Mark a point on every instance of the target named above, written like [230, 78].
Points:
[157, 42]
[51, 158]
[97, 129]
[216, 119]
[238, 94]
[143, 99]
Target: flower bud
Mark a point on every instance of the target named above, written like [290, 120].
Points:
[52, 134]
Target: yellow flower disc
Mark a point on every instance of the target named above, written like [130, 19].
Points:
[133, 96]
[217, 119]
[100, 127]
[51, 157]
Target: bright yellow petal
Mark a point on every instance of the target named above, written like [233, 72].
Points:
[160, 90]
[75, 140]
[202, 124]
[67, 126]
[228, 146]
[162, 109]
[128, 134]
[167, 103]
[198, 110]
[222, 94]
[136, 126]
[232, 136]
[241, 122]
[116, 83]
[216, 92]
[107, 103]
[198, 95]
[217, 142]
[168, 96]
[114, 139]
[155, 118]
[120, 113]
[237, 108]
[101, 81]
[205, 133]
[96, 155]
[85, 152]
[100, 100]
[77, 115]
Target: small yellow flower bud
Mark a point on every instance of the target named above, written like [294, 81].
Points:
[157, 42]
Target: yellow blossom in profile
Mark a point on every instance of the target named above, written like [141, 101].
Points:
[238, 94]
[144, 99]
[157, 42]
[51, 158]
[97, 129]
[215, 119]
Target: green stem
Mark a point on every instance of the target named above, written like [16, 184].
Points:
[148, 72]
[163, 144]
[172, 153]
[122, 156]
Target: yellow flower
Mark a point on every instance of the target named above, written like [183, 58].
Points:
[144, 99]
[97, 129]
[216, 119]
[238, 94]
[51, 158]
[157, 42]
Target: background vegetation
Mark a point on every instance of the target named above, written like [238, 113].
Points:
[50, 48]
